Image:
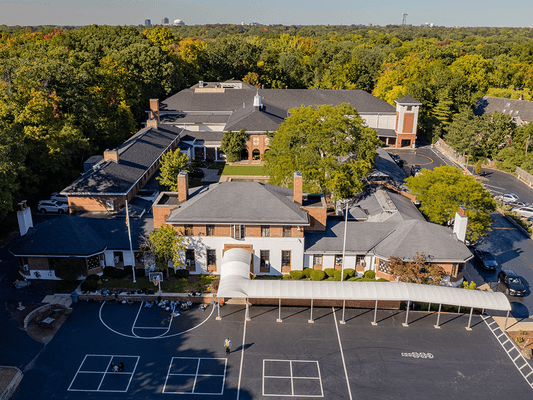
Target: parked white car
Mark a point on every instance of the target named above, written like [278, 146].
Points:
[52, 206]
[526, 211]
[508, 198]
[59, 198]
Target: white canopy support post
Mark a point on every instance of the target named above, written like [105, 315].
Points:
[459, 310]
[279, 314]
[247, 316]
[342, 321]
[407, 314]
[506, 318]
[311, 320]
[375, 314]
[218, 307]
[438, 318]
[470, 319]
[429, 307]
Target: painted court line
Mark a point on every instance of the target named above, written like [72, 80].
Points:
[104, 373]
[342, 354]
[292, 378]
[242, 359]
[196, 375]
[162, 336]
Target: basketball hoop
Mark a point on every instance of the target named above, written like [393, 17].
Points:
[156, 278]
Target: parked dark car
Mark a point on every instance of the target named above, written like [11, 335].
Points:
[486, 259]
[416, 170]
[397, 160]
[515, 284]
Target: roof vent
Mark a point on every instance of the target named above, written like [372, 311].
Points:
[201, 84]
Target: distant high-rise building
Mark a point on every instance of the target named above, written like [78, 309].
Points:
[165, 21]
[147, 22]
[178, 22]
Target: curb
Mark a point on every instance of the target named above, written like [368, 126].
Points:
[29, 317]
[512, 221]
[10, 388]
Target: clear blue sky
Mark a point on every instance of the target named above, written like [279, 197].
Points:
[518, 13]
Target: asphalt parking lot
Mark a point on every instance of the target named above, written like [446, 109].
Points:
[293, 358]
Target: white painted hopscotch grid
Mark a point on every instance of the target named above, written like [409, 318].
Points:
[292, 378]
[193, 375]
[95, 375]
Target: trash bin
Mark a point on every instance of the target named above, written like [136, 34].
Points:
[74, 295]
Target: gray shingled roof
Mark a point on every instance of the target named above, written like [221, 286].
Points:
[80, 236]
[136, 155]
[408, 100]
[241, 203]
[386, 239]
[233, 99]
[516, 108]
[434, 241]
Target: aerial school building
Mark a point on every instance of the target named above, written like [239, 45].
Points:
[282, 229]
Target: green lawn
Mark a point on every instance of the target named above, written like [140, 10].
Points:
[250, 170]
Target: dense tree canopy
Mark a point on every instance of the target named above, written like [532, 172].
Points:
[445, 189]
[329, 145]
[68, 93]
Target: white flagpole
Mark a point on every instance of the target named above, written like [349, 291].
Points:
[129, 237]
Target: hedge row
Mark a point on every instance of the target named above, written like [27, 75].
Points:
[330, 274]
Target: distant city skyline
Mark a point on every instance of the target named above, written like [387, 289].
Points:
[490, 13]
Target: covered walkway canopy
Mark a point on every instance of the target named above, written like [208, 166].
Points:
[235, 282]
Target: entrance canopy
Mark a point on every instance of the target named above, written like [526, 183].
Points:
[235, 282]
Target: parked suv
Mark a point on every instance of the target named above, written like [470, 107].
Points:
[52, 206]
[526, 211]
[59, 198]
[514, 283]
[486, 259]
[508, 198]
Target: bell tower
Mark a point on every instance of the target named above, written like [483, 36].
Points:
[406, 121]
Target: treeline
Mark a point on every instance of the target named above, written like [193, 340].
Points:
[68, 93]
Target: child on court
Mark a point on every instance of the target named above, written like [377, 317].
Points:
[227, 345]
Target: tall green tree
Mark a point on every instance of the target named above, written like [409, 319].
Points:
[233, 143]
[444, 189]
[327, 144]
[172, 163]
[167, 245]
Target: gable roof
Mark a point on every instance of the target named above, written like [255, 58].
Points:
[135, 157]
[70, 235]
[408, 101]
[240, 203]
[521, 109]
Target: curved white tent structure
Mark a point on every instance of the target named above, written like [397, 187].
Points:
[235, 282]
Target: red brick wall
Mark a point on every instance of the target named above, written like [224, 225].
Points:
[252, 231]
[317, 217]
[161, 214]
[40, 263]
[222, 230]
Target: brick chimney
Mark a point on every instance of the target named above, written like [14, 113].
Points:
[151, 123]
[298, 183]
[24, 218]
[111, 155]
[154, 109]
[460, 224]
[183, 186]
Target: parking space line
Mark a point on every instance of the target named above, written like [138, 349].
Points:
[509, 352]
[342, 354]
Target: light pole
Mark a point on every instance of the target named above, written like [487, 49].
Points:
[347, 204]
